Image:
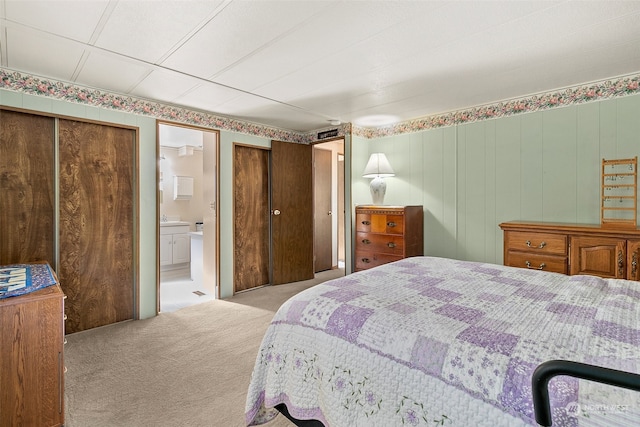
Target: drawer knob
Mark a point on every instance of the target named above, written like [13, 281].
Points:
[541, 267]
[540, 246]
[366, 222]
[391, 245]
[366, 260]
[391, 224]
[366, 241]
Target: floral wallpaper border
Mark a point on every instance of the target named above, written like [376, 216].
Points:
[33, 85]
[606, 89]
[25, 83]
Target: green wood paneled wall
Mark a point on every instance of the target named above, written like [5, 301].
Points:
[541, 166]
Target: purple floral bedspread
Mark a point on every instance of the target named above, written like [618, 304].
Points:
[434, 341]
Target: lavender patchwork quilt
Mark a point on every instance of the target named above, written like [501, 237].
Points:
[434, 341]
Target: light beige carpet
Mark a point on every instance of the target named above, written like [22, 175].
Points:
[190, 367]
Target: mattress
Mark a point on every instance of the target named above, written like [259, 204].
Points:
[436, 341]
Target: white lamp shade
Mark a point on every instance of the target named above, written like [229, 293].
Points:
[378, 166]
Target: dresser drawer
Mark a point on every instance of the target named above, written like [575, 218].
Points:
[380, 223]
[556, 264]
[543, 243]
[363, 222]
[366, 260]
[391, 224]
[385, 243]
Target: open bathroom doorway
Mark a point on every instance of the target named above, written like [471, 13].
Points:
[329, 206]
[188, 230]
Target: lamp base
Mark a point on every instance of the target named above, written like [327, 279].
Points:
[378, 188]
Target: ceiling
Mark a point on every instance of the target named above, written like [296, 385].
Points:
[298, 65]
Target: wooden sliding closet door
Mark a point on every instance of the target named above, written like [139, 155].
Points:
[26, 188]
[96, 223]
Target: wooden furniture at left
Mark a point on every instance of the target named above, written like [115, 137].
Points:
[32, 359]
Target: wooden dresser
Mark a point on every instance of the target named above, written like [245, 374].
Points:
[387, 233]
[573, 248]
[31, 360]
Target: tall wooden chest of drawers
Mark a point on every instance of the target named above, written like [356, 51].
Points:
[573, 248]
[387, 233]
[31, 361]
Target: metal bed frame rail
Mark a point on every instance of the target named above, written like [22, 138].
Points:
[547, 370]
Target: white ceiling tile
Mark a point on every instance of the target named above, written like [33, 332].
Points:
[35, 53]
[111, 72]
[613, 32]
[165, 85]
[208, 96]
[165, 24]
[241, 29]
[74, 19]
[335, 29]
[241, 102]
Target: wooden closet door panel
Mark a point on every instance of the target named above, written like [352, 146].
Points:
[96, 223]
[26, 188]
[251, 218]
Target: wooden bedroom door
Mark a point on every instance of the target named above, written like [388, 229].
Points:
[323, 216]
[251, 217]
[26, 188]
[97, 246]
[292, 212]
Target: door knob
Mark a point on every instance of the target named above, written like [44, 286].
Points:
[276, 212]
[329, 213]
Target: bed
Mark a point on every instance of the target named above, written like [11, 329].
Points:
[435, 341]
